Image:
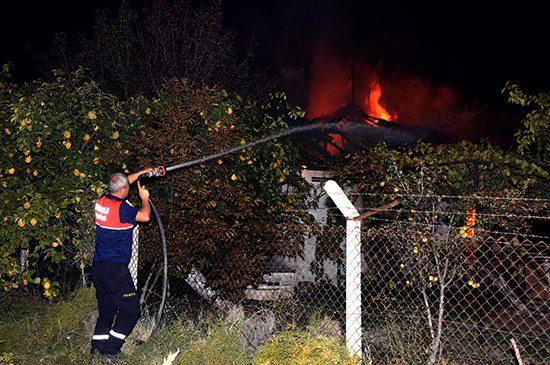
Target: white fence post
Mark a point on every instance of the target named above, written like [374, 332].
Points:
[354, 330]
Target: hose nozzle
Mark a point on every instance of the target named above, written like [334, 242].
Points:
[155, 172]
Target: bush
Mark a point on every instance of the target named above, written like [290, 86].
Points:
[227, 216]
[534, 138]
[59, 140]
[300, 348]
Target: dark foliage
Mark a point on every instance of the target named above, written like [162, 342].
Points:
[137, 50]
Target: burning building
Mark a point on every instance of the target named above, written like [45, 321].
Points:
[355, 95]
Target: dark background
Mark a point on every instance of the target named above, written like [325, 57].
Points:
[475, 47]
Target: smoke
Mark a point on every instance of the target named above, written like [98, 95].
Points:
[330, 37]
[423, 102]
[329, 84]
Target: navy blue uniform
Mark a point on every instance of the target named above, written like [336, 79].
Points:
[115, 290]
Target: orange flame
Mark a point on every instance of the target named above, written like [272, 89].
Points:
[373, 108]
[372, 103]
[471, 214]
[337, 142]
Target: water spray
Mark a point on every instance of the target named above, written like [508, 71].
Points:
[161, 170]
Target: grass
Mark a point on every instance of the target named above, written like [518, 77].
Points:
[222, 346]
[49, 334]
[303, 348]
[36, 331]
[177, 336]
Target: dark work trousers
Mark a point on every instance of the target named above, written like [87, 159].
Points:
[116, 297]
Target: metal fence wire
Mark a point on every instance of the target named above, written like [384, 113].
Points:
[431, 293]
[134, 263]
[442, 280]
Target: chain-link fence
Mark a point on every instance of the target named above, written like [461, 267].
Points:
[408, 279]
[430, 293]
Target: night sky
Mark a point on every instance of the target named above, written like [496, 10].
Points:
[472, 48]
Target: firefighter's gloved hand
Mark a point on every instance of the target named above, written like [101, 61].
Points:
[143, 192]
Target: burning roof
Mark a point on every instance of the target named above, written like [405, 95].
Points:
[322, 145]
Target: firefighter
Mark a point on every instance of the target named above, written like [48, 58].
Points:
[116, 294]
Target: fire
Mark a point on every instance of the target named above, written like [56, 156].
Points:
[335, 86]
[340, 80]
[471, 216]
[373, 106]
[336, 144]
